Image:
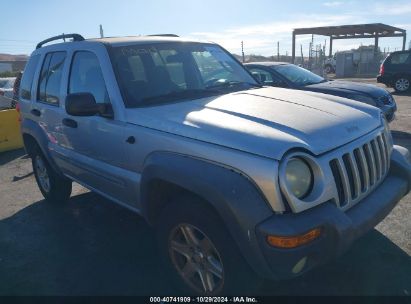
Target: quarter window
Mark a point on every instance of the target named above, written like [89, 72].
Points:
[86, 76]
[28, 76]
[50, 78]
[399, 58]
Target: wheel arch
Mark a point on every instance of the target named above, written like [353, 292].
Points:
[34, 137]
[234, 198]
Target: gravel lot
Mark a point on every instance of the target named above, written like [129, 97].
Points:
[92, 247]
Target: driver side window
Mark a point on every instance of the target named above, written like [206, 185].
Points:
[86, 76]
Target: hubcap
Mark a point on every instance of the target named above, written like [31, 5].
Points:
[196, 259]
[402, 84]
[41, 172]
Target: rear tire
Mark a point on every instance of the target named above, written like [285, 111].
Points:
[55, 188]
[328, 69]
[198, 252]
[402, 84]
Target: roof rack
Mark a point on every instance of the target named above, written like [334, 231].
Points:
[75, 37]
[165, 35]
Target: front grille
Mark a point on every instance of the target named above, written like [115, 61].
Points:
[358, 172]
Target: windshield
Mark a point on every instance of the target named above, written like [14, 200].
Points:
[164, 72]
[6, 83]
[297, 75]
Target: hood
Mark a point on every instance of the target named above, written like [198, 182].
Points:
[346, 87]
[266, 122]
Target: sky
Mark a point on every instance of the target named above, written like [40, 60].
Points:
[259, 23]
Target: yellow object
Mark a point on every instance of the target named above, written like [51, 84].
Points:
[293, 241]
[10, 136]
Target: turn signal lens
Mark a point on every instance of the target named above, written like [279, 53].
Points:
[293, 241]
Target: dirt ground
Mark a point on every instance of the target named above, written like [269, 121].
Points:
[90, 246]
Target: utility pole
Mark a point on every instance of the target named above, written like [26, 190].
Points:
[101, 31]
[242, 50]
[278, 50]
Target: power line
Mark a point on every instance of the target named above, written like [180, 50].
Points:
[17, 40]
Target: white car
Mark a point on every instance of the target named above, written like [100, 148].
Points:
[6, 92]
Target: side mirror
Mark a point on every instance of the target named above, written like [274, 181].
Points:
[84, 104]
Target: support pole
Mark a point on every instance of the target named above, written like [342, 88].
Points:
[331, 47]
[376, 44]
[293, 50]
[404, 39]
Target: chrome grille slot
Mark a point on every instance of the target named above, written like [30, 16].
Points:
[362, 168]
[341, 189]
[371, 163]
[359, 171]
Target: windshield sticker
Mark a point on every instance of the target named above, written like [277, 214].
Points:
[133, 51]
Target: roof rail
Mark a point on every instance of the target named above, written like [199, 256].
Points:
[165, 35]
[75, 37]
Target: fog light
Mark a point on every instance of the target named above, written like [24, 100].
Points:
[299, 266]
[293, 241]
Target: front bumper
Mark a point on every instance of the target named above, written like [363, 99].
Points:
[339, 229]
[384, 79]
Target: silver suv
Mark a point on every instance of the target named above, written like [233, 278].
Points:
[241, 182]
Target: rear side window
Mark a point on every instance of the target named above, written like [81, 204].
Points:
[400, 58]
[86, 76]
[50, 78]
[262, 75]
[28, 76]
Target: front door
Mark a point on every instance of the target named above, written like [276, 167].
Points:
[94, 146]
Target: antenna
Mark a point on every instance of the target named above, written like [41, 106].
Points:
[101, 31]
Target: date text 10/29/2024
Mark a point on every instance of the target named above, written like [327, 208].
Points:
[203, 300]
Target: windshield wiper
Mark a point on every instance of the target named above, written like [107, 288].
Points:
[178, 95]
[229, 84]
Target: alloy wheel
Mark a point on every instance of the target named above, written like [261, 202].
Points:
[42, 174]
[196, 259]
[402, 84]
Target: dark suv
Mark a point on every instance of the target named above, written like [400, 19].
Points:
[395, 71]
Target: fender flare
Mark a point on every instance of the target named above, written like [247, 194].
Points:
[33, 129]
[237, 200]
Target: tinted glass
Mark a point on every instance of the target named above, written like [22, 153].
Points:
[50, 77]
[262, 75]
[297, 75]
[86, 76]
[28, 76]
[145, 72]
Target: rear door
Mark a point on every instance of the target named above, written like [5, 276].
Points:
[45, 110]
[399, 63]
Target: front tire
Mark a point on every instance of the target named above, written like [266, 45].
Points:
[402, 84]
[54, 187]
[199, 253]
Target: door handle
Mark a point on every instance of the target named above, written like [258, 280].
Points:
[70, 122]
[35, 112]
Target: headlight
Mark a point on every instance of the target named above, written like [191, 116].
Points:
[363, 98]
[298, 177]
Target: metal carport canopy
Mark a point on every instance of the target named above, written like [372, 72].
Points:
[372, 30]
